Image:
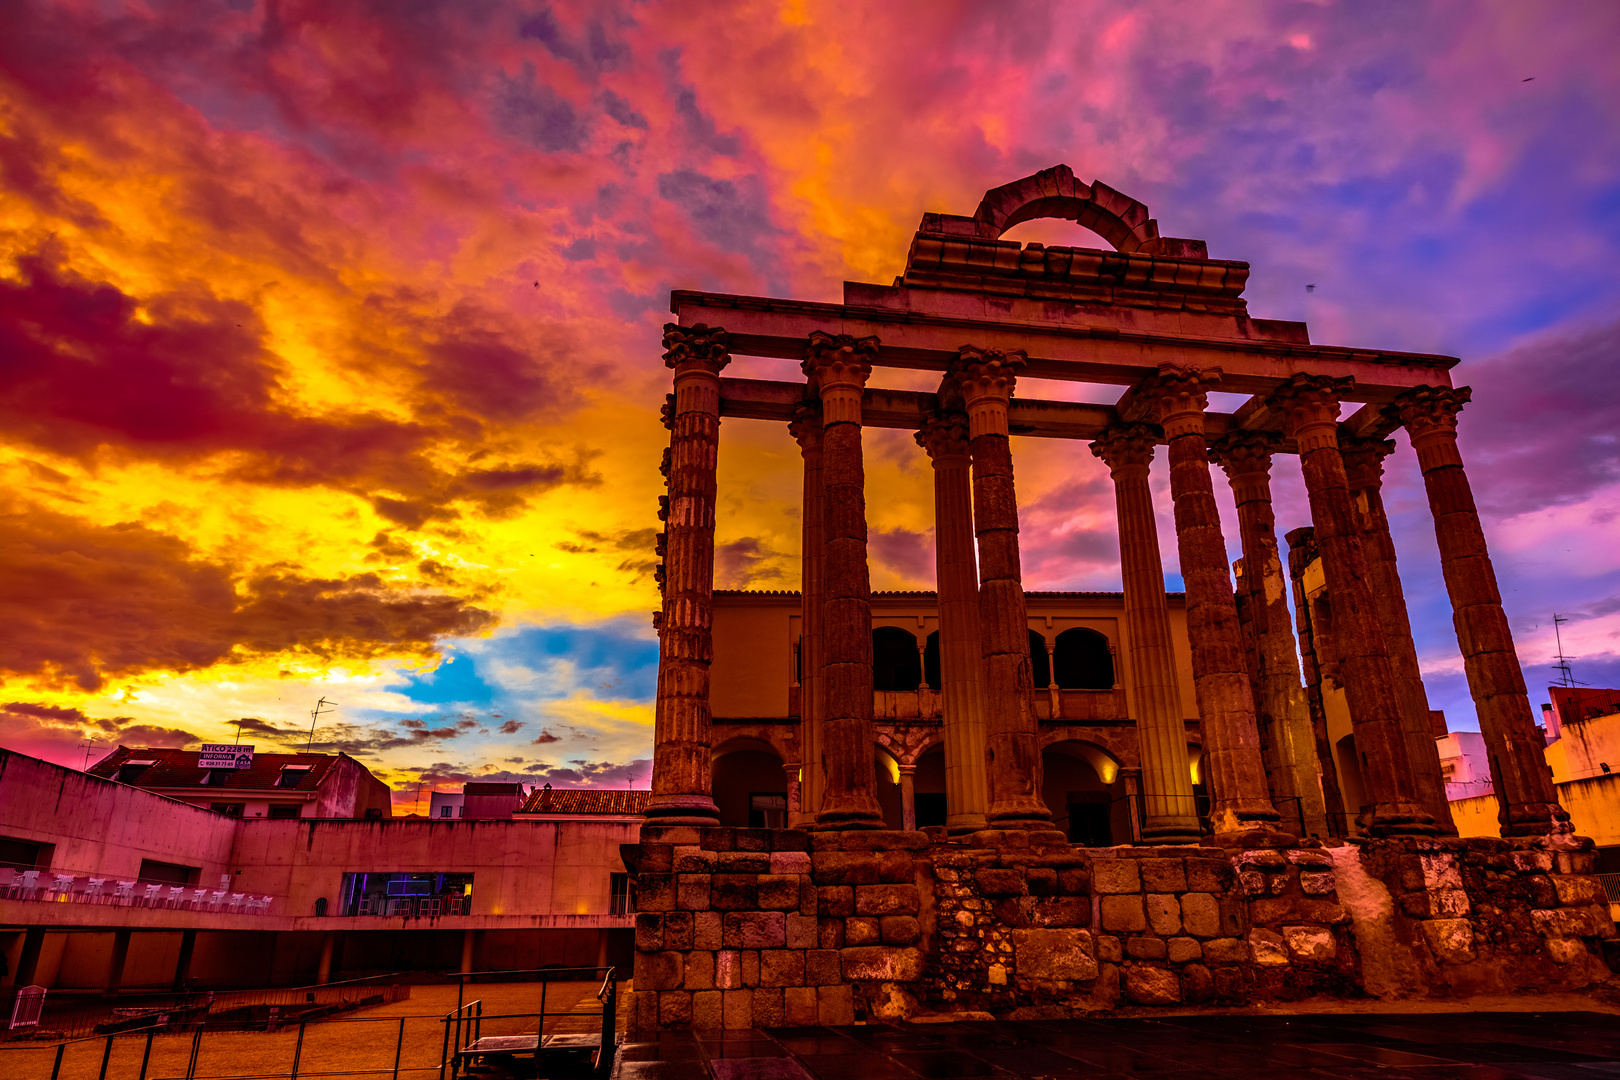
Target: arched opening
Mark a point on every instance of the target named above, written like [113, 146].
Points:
[930, 787]
[748, 785]
[895, 663]
[1080, 785]
[1081, 660]
[931, 661]
[886, 786]
[1039, 663]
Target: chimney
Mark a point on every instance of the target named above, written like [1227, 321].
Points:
[1549, 718]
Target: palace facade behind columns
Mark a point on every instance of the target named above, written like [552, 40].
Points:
[997, 910]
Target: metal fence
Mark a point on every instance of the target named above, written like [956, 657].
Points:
[1611, 886]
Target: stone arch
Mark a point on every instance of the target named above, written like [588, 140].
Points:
[1055, 193]
[896, 664]
[745, 771]
[886, 784]
[1082, 660]
[1040, 664]
[1081, 787]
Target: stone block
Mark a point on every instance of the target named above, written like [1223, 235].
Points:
[886, 900]
[844, 868]
[1123, 913]
[1575, 862]
[862, 930]
[801, 931]
[674, 1008]
[1573, 922]
[835, 1005]
[830, 933]
[1113, 876]
[754, 840]
[699, 971]
[742, 862]
[1182, 949]
[659, 971]
[737, 1009]
[799, 1006]
[779, 892]
[1011, 910]
[896, 868]
[1304, 857]
[1109, 949]
[1226, 951]
[835, 900]
[1163, 913]
[753, 930]
[1055, 954]
[790, 840]
[718, 838]
[692, 892]
[1074, 881]
[728, 974]
[900, 930]
[1197, 984]
[678, 930]
[781, 967]
[1450, 940]
[1313, 943]
[807, 895]
[881, 963]
[1234, 916]
[1164, 875]
[660, 858]
[1152, 986]
[649, 931]
[693, 860]
[734, 892]
[1041, 881]
[1316, 882]
[822, 967]
[1531, 862]
[790, 862]
[1209, 875]
[1268, 947]
[1299, 909]
[655, 892]
[1564, 950]
[1060, 911]
[995, 883]
[644, 1010]
[1574, 890]
[748, 964]
[1201, 915]
[652, 833]
[1146, 948]
[706, 930]
[707, 1011]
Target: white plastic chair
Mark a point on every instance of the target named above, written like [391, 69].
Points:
[8, 880]
[176, 897]
[199, 897]
[428, 907]
[153, 894]
[124, 893]
[216, 899]
[399, 905]
[365, 906]
[235, 903]
[28, 888]
[95, 890]
[61, 887]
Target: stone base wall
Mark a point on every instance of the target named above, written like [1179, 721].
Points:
[747, 928]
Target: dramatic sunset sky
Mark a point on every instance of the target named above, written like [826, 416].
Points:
[329, 331]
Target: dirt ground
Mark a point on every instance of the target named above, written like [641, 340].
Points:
[364, 1041]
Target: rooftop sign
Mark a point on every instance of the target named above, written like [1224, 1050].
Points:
[225, 756]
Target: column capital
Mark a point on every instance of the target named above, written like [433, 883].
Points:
[1245, 456]
[986, 379]
[699, 347]
[1364, 460]
[838, 366]
[806, 426]
[1308, 407]
[1176, 397]
[944, 435]
[1429, 414]
[1126, 447]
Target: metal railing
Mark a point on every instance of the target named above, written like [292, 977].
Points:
[464, 1040]
[1611, 886]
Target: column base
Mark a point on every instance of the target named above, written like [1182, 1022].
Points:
[962, 824]
[842, 822]
[1171, 832]
[1536, 819]
[1398, 821]
[1262, 836]
[682, 809]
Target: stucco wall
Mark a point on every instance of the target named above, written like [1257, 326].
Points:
[1593, 805]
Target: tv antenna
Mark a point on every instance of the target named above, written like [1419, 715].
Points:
[321, 706]
[89, 741]
[1566, 677]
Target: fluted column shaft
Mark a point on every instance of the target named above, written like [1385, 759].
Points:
[1241, 810]
[806, 428]
[961, 658]
[681, 752]
[1170, 814]
[1301, 553]
[1364, 470]
[838, 368]
[1518, 765]
[1012, 735]
[1309, 408]
[1282, 713]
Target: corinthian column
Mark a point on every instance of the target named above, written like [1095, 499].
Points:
[1169, 810]
[680, 776]
[1012, 735]
[945, 437]
[838, 368]
[807, 431]
[1283, 715]
[1308, 406]
[1518, 766]
[1364, 470]
[1241, 813]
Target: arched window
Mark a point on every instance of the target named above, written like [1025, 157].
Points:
[1040, 664]
[895, 663]
[1081, 660]
[931, 661]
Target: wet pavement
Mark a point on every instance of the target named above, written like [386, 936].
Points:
[1430, 1046]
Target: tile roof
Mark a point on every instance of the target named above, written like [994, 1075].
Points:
[585, 801]
[178, 769]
